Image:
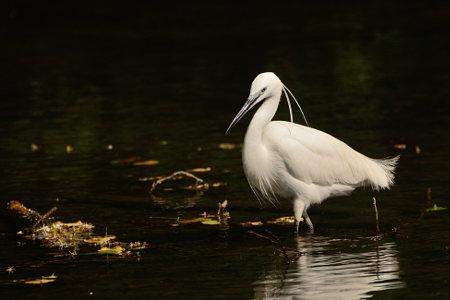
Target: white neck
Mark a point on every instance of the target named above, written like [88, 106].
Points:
[262, 117]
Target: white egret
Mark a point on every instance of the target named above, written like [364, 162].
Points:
[305, 165]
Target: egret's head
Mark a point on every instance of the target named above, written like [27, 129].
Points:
[264, 86]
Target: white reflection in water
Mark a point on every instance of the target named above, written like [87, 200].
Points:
[327, 271]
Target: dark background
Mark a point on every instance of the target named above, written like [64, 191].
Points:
[163, 81]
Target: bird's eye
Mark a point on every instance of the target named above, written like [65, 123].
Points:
[263, 90]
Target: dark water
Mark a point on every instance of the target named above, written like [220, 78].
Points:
[163, 83]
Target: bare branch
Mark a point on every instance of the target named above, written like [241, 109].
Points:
[187, 174]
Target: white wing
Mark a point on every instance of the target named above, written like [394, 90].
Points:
[313, 156]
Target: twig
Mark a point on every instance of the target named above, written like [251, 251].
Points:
[159, 181]
[376, 215]
[46, 215]
[275, 240]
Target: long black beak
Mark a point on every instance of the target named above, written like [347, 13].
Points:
[251, 101]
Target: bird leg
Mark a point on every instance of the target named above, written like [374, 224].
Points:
[299, 207]
[308, 221]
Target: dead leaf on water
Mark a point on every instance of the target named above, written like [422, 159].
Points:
[211, 222]
[400, 146]
[151, 178]
[100, 240]
[124, 161]
[218, 184]
[227, 146]
[115, 250]
[40, 281]
[69, 149]
[34, 147]
[194, 220]
[436, 208]
[149, 162]
[417, 150]
[53, 276]
[199, 170]
[251, 224]
[283, 221]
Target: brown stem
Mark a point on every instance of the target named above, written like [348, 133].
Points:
[376, 215]
[159, 181]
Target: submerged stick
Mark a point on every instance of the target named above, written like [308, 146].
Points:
[275, 240]
[376, 215]
[159, 181]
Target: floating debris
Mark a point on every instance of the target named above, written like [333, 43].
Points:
[199, 170]
[69, 237]
[417, 150]
[34, 147]
[251, 224]
[290, 220]
[150, 162]
[124, 161]
[436, 208]
[40, 281]
[69, 149]
[227, 146]
[400, 146]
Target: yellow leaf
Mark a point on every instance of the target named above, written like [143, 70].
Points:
[123, 161]
[40, 281]
[284, 221]
[217, 184]
[150, 162]
[195, 220]
[114, 250]
[250, 224]
[210, 222]
[99, 239]
[199, 170]
[417, 149]
[400, 146]
[34, 147]
[69, 149]
[227, 146]
[53, 276]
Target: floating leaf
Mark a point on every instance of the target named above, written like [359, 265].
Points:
[151, 178]
[190, 221]
[150, 162]
[227, 146]
[251, 224]
[99, 239]
[163, 143]
[69, 149]
[53, 276]
[114, 250]
[400, 146]
[34, 147]
[218, 184]
[211, 222]
[123, 161]
[284, 221]
[40, 281]
[436, 208]
[417, 150]
[199, 170]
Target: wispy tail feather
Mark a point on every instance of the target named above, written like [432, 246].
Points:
[386, 179]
